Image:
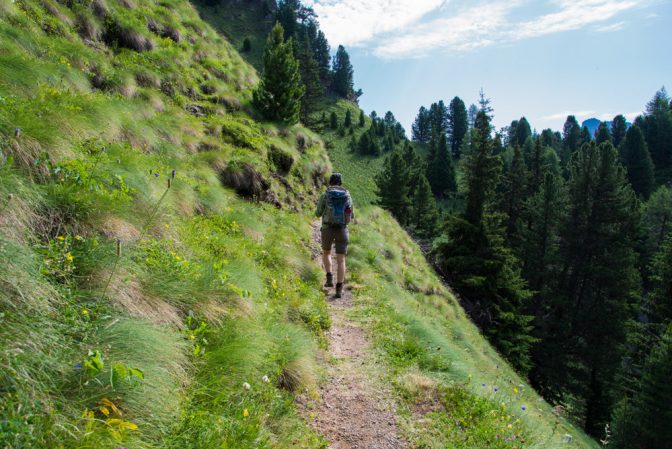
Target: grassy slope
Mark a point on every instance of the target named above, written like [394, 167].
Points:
[101, 129]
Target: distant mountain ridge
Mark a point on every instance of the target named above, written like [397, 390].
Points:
[593, 123]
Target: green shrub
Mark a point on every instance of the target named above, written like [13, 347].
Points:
[281, 159]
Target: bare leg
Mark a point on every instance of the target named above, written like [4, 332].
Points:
[326, 260]
[340, 261]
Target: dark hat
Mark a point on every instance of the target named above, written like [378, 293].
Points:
[336, 179]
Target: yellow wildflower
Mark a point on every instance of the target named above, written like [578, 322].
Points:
[85, 312]
[60, 238]
[192, 337]
[246, 413]
[515, 390]
[509, 426]
[69, 257]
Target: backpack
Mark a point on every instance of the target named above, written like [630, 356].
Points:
[338, 210]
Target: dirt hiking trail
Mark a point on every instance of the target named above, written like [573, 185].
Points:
[354, 410]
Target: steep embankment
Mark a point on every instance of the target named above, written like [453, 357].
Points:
[146, 298]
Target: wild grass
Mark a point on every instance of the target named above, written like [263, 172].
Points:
[420, 331]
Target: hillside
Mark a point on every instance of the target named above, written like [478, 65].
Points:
[158, 282]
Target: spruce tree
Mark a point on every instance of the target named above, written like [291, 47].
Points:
[602, 134]
[362, 121]
[421, 128]
[585, 136]
[392, 184]
[347, 122]
[286, 17]
[585, 323]
[618, 129]
[571, 136]
[310, 77]
[333, 120]
[441, 173]
[637, 161]
[523, 131]
[457, 125]
[323, 57]
[278, 95]
[342, 78]
[514, 196]
[657, 127]
[424, 214]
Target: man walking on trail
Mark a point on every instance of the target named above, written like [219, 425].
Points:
[335, 208]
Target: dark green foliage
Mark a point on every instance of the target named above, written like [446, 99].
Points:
[424, 214]
[368, 142]
[514, 196]
[362, 121]
[333, 120]
[656, 125]
[247, 45]
[571, 138]
[310, 77]
[457, 125]
[287, 17]
[282, 160]
[602, 134]
[440, 170]
[644, 420]
[552, 139]
[342, 78]
[323, 56]
[637, 161]
[584, 328]
[279, 93]
[420, 130]
[585, 136]
[438, 118]
[392, 183]
[618, 129]
[482, 269]
[659, 309]
[348, 119]
[523, 132]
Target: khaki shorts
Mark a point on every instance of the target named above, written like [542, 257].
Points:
[338, 234]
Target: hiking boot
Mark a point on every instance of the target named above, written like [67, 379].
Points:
[339, 289]
[330, 280]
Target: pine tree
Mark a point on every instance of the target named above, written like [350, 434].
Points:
[571, 137]
[392, 183]
[585, 136]
[471, 115]
[347, 122]
[323, 57]
[585, 323]
[440, 171]
[644, 420]
[482, 171]
[438, 118]
[333, 120]
[424, 214]
[656, 125]
[536, 165]
[310, 76]
[420, 130]
[602, 134]
[279, 93]
[286, 17]
[657, 221]
[514, 196]
[637, 161]
[618, 129]
[457, 125]
[362, 121]
[523, 131]
[342, 79]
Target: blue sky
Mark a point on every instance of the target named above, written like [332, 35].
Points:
[541, 59]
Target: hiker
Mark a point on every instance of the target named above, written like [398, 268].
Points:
[335, 208]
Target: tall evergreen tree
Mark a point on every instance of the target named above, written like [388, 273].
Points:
[514, 196]
[602, 134]
[287, 17]
[424, 214]
[585, 136]
[618, 128]
[392, 183]
[637, 161]
[523, 131]
[584, 327]
[310, 77]
[421, 128]
[342, 79]
[323, 57]
[471, 115]
[347, 122]
[438, 117]
[657, 127]
[362, 121]
[474, 256]
[440, 170]
[571, 137]
[333, 120]
[457, 125]
[280, 90]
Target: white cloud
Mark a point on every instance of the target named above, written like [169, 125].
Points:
[610, 28]
[395, 29]
[563, 115]
[352, 22]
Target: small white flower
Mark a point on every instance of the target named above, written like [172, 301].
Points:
[246, 386]
[265, 379]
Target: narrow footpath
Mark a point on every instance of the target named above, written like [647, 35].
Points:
[355, 410]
